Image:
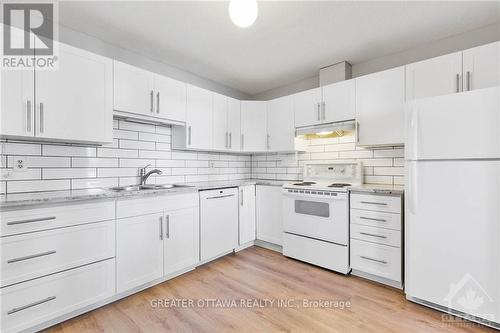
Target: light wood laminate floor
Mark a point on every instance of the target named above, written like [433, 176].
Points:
[260, 274]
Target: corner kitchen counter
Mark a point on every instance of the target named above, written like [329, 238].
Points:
[13, 201]
[376, 188]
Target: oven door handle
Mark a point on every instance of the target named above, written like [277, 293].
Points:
[302, 196]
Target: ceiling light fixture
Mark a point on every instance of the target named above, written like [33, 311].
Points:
[243, 13]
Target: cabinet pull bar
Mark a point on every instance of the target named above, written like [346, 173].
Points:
[374, 203]
[458, 82]
[372, 235]
[41, 219]
[158, 102]
[28, 116]
[227, 140]
[161, 227]
[372, 219]
[33, 256]
[317, 108]
[241, 202]
[21, 308]
[468, 81]
[41, 118]
[230, 140]
[189, 135]
[375, 260]
[242, 141]
[151, 97]
[323, 105]
[222, 196]
[168, 227]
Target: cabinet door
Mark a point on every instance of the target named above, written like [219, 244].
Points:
[139, 253]
[133, 89]
[198, 118]
[306, 106]
[247, 214]
[17, 98]
[269, 214]
[170, 98]
[434, 77]
[234, 123]
[220, 134]
[338, 101]
[380, 107]
[181, 247]
[253, 126]
[280, 124]
[73, 102]
[482, 67]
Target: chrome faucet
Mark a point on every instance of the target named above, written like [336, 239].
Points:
[144, 176]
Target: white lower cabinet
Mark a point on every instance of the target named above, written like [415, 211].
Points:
[37, 301]
[269, 214]
[139, 252]
[376, 237]
[181, 248]
[247, 214]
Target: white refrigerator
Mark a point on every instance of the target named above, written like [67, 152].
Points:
[452, 229]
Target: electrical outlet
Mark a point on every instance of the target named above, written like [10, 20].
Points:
[212, 165]
[20, 164]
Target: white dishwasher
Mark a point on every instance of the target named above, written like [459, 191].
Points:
[219, 222]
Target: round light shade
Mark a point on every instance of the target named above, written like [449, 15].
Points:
[243, 13]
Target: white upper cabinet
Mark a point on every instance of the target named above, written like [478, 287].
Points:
[253, 126]
[433, 77]
[72, 103]
[75, 101]
[220, 135]
[170, 98]
[380, 99]
[133, 89]
[234, 124]
[280, 124]
[198, 118]
[338, 102]
[481, 67]
[17, 117]
[307, 107]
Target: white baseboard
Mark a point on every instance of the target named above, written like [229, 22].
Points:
[269, 246]
[387, 282]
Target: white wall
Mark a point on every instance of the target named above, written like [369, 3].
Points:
[450, 44]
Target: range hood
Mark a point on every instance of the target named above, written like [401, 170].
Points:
[327, 129]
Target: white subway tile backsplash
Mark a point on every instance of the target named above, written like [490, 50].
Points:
[38, 185]
[135, 163]
[10, 174]
[122, 153]
[56, 173]
[94, 162]
[65, 151]
[117, 172]
[131, 126]
[164, 155]
[171, 163]
[178, 155]
[144, 145]
[42, 161]
[10, 148]
[93, 183]
[120, 134]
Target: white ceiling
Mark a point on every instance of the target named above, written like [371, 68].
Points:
[289, 41]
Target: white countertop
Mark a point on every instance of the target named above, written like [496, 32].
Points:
[12, 201]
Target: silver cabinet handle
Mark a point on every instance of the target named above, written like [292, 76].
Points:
[41, 118]
[372, 219]
[458, 83]
[230, 140]
[28, 116]
[161, 227]
[168, 227]
[227, 140]
[158, 102]
[33, 256]
[323, 107]
[189, 135]
[375, 260]
[151, 97]
[21, 308]
[222, 196]
[468, 81]
[242, 141]
[374, 203]
[241, 201]
[317, 109]
[372, 235]
[357, 131]
[41, 219]
[268, 141]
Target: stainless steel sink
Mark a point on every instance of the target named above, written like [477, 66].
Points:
[131, 188]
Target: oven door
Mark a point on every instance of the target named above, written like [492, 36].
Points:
[323, 217]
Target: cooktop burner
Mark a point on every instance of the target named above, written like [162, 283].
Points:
[339, 185]
[304, 184]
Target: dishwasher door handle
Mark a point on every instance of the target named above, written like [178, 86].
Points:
[222, 196]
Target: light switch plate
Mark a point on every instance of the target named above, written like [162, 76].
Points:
[20, 164]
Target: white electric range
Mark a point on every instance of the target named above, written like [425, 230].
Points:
[316, 214]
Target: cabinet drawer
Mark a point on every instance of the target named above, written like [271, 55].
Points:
[376, 235]
[33, 255]
[376, 219]
[155, 204]
[380, 260]
[380, 203]
[29, 220]
[31, 303]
